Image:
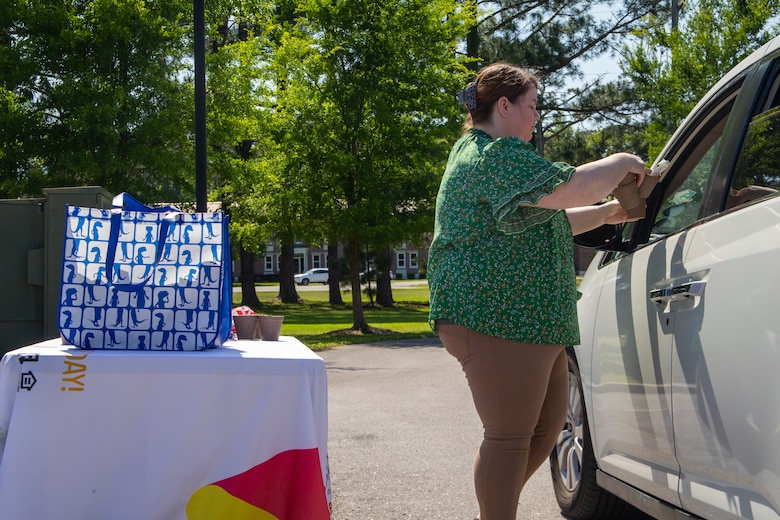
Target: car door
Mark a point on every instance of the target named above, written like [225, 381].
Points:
[639, 307]
[726, 339]
[631, 373]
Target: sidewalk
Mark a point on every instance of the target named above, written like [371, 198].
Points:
[403, 433]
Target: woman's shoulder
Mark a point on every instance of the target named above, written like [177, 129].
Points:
[502, 153]
[512, 144]
[513, 152]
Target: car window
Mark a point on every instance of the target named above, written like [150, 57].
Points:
[757, 173]
[690, 172]
[681, 208]
[691, 162]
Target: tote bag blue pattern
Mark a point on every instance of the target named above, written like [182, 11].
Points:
[140, 278]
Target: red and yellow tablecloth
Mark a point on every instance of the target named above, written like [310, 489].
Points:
[238, 432]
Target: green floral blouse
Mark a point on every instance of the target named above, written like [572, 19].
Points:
[496, 265]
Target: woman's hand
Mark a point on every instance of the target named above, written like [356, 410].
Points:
[585, 218]
[635, 165]
[614, 213]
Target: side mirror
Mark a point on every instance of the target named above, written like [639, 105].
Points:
[608, 237]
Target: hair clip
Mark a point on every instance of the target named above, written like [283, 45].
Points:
[468, 96]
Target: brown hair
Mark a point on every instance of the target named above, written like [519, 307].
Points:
[493, 82]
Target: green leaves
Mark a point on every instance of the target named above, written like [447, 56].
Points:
[104, 77]
[671, 70]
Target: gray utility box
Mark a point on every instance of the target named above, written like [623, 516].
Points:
[31, 241]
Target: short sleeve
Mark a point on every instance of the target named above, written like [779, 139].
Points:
[523, 177]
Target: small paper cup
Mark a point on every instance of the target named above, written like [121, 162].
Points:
[627, 195]
[270, 327]
[648, 185]
[637, 211]
[246, 326]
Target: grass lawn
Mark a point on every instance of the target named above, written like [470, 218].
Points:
[319, 325]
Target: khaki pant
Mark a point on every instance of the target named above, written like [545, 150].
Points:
[520, 391]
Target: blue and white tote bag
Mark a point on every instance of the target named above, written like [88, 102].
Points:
[141, 278]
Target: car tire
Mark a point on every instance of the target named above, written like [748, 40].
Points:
[305, 281]
[573, 464]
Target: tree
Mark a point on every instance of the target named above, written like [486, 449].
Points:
[581, 145]
[555, 39]
[671, 70]
[94, 93]
[384, 291]
[19, 126]
[240, 148]
[372, 102]
[334, 273]
[20, 122]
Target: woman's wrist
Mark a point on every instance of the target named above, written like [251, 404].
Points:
[612, 213]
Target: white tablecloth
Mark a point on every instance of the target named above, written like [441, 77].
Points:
[238, 432]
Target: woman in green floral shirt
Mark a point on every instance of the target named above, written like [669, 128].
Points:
[501, 274]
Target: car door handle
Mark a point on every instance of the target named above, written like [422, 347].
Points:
[678, 292]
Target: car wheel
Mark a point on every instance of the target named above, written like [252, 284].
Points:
[573, 464]
[305, 281]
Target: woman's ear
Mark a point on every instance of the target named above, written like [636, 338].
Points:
[502, 105]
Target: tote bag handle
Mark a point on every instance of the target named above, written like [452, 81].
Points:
[125, 202]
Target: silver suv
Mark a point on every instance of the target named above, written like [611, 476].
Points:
[674, 398]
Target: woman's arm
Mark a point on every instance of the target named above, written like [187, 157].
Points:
[585, 218]
[593, 181]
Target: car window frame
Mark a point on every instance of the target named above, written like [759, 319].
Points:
[751, 91]
[702, 147]
[767, 99]
[637, 235]
[710, 116]
[757, 84]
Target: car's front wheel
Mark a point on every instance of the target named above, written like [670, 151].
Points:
[573, 463]
[305, 281]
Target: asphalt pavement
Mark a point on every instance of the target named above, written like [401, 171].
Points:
[403, 433]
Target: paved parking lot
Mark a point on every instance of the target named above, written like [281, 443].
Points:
[403, 433]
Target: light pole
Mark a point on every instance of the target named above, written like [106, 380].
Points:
[199, 20]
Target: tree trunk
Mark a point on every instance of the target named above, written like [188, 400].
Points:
[248, 293]
[287, 291]
[353, 257]
[472, 47]
[384, 290]
[334, 274]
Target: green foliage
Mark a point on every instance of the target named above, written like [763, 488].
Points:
[672, 70]
[18, 128]
[243, 156]
[578, 146]
[366, 112]
[101, 83]
[555, 39]
[373, 109]
[757, 164]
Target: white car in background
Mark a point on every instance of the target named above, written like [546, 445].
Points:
[312, 276]
[674, 393]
